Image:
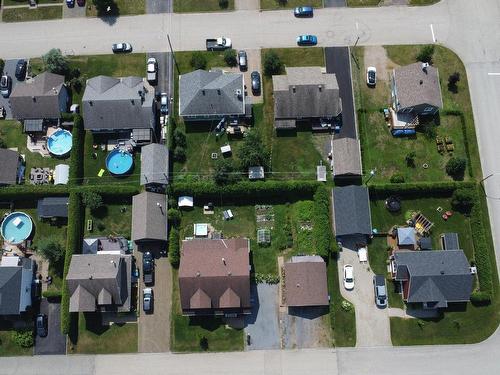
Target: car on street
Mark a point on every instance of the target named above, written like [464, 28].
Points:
[152, 70]
[147, 300]
[121, 47]
[371, 76]
[21, 69]
[380, 290]
[81, 3]
[5, 85]
[242, 60]
[303, 11]
[164, 103]
[41, 325]
[307, 40]
[348, 277]
[70, 3]
[256, 84]
[148, 268]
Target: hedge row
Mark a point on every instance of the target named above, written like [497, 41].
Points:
[110, 191]
[77, 152]
[174, 253]
[322, 229]
[419, 189]
[73, 245]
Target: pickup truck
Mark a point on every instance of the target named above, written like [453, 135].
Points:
[218, 44]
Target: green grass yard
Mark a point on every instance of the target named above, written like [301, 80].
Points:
[123, 8]
[26, 2]
[186, 6]
[275, 4]
[8, 347]
[26, 14]
[113, 218]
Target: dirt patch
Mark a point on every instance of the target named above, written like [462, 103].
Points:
[377, 56]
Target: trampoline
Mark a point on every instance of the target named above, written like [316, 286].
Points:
[119, 162]
[393, 204]
[16, 227]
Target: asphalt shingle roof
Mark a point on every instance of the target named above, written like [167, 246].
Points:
[149, 217]
[52, 207]
[9, 160]
[351, 206]
[306, 282]
[10, 287]
[346, 157]
[154, 164]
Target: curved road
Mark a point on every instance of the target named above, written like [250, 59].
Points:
[469, 27]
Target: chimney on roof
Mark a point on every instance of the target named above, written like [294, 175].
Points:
[320, 87]
[218, 91]
[113, 263]
[90, 277]
[294, 90]
[33, 98]
[229, 273]
[298, 285]
[91, 103]
[203, 92]
[198, 274]
[442, 272]
[132, 101]
[224, 261]
[421, 82]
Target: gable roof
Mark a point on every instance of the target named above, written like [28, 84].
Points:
[305, 282]
[154, 164]
[149, 216]
[351, 207]
[96, 245]
[53, 207]
[38, 98]
[9, 160]
[118, 103]
[211, 93]
[415, 86]
[11, 278]
[435, 276]
[217, 269]
[306, 92]
[406, 236]
[346, 157]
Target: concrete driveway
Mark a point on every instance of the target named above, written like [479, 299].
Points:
[74, 12]
[159, 6]
[165, 72]
[305, 327]
[372, 323]
[10, 70]
[55, 341]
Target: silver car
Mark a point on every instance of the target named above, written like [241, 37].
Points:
[380, 290]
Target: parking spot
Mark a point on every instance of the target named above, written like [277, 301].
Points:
[10, 70]
[74, 12]
[305, 327]
[55, 341]
[335, 3]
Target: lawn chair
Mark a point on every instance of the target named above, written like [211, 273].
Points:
[101, 173]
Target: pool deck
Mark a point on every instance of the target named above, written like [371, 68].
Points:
[39, 143]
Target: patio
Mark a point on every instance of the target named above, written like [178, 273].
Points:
[37, 142]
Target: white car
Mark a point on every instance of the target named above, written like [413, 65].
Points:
[152, 70]
[164, 103]
[371, 76]
[348, 277]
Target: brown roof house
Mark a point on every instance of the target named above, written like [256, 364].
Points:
[99, 282]
[306, 94]
[305, 282]
[149, 217]
[214, 277]
[346, 158]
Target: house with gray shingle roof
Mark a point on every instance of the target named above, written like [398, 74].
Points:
[212, 95]
[149, 217]
[433, 278]
[154, 165]
[306, 94]
[111, 105]
[346, 158]
[42, 97]
[12, 169]
[16, 280]
[351, 212]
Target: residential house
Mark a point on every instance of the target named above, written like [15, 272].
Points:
[433, 279]
[53, 207]
[154, 166]
[306, 94]
[43, 97]
[17, 276]
[213, 95]
[105, 245]
[12, 170]
[119, 106]
[100, 283]
[214, 277]
[149, 217]
[305, 282]
[351, 212]
[346, 158]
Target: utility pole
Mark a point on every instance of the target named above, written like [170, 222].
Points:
[173, 54]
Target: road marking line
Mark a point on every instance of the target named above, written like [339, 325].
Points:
[432, 31]
[494, 74]
[357, 26]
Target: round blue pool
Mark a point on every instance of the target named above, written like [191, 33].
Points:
[119, 162]
[60, 142]
[16, 227]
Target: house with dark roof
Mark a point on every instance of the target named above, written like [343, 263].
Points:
[214, 277]
[154, 165]
[17, 276]
[449, 241]
[306, 94]
[433, 279]
[100, 283]
[149, 217]
[12, 170]
[305, 282]
[351, 212]
[105, 245]
[52, 207]
[42, 97]
[119, 105]
[346, 158]
[213, 95]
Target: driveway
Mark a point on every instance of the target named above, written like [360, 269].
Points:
[262, 325]
[55, 341]
[159, 6]
[246, 4]
[372, 323]
[334, 3]
[74, 12]
[154, 328]
[165, 72]
[338, 62]
[10, 70]
[305, 328]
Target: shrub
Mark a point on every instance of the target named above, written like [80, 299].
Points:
[23, 338]
[2, 65]
[198, 60]
[2, 143]
[478, 298]
[425, 53]
[223, 4]
[203, 343]
[179, 139]
[179, 154]
[92, 200]
[410, 159]
[51, 249]
[76, 159]
[452, 82]
[55, 62]
[225, 172]
[174, 254]
[253, 152]
[321, 232]
[267, 278]
[397, 178]
[346, 306]
[230, 57]
[52, 294]
[272, 63]
[463, 199]
[429, 129]
[174, 217]
[455, 167]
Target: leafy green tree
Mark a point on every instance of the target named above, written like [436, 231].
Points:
[23, 338]
[223, 4]
[425, 54]
[51, 249]
[198, 60]
[174, 247]
[456, 167]
[179, 138]
[92, 200]
[174, 217]
[253, 153]
[55, 62]
[272, 63]
[410, 159]
[105, 7]
[463, 200]
[225, 172]
[452, 82]
[230, 57]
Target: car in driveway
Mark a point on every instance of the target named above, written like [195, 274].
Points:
[152, 70]
[242, 60]
[148, 268]
[256, 83]
[147, 300]
[123, 47]
[70, 3]
[21, 69]
[41, 325]
[380, 290]
[348, 277]
[164, 103]
[5, 85]
[371, 76]
[307, 40]
[303, 11]
[81, 3]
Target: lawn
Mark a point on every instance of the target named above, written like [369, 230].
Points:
[362, 3]
[26, 14]
[113, 218]
[122, 8]
[275, 4]
[7, 345]
[93, 338]
[423, 2]
[187, 331]
[26, 2]
[185, 6]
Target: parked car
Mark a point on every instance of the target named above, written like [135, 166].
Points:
[255, 77]
[147, 300]
[121, 47]
[81, 3]
[41, 325]
[304, 11]
[70, 3]
[371, 76]
[380, 290]
[242, 60]
[218, 44]
[5, 85]
[21, 69]
[148, 268]
[348, 277]
[164, 103]
[307, 40]
[152, 70]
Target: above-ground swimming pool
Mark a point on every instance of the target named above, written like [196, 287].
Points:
[60, 142]
[119, 162]
[16, 227]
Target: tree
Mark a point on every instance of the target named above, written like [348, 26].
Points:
[203, 343]
[463, 200]
[2, 65]
[410, 159]
[174, 217]
[272, 63]
[452, 82]
[179, 138]
[179, 154]
[456, 167]
[23, 338]
[397, 178]
[225, 172]
[425, 53]
[55, 62]
[253, 152]
[92, 200]
[2, 143]
[174, 247]
[223, 4]
[198, 60]
[105, 7]
[230, 57]
[51, 249]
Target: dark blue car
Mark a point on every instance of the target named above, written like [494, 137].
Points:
[307, 40]
[305, 11]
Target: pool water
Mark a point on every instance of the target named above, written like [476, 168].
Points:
[119, 162]
[16, 227]
[60, 142]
